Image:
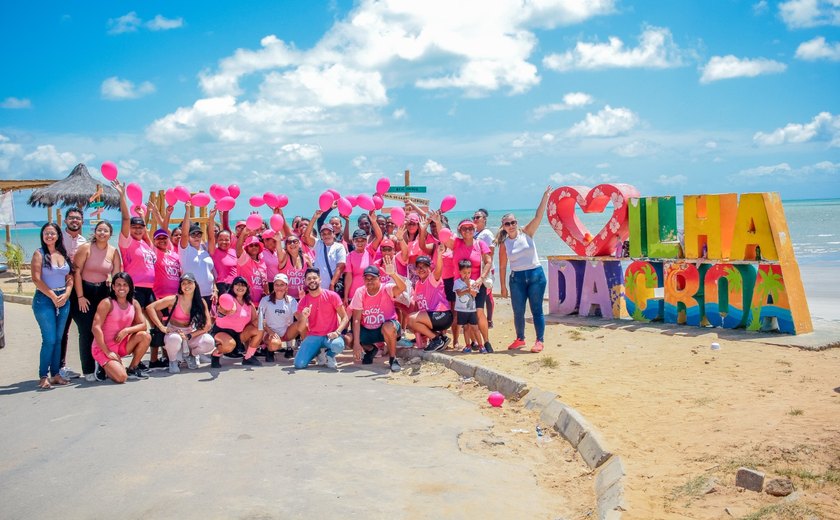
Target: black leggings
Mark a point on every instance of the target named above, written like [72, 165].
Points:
[95, 293]
[74, 309]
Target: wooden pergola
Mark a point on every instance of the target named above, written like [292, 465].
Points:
[18, 185]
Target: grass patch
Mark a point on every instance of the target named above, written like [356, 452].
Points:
[809, 478]
[548, 362]
[796, 411]
[784, 511]
[693, 488]
[703, 401]
[784, 362]
[587, 328]
[807, 379]
[576, 335]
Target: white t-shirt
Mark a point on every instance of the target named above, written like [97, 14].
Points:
[278, 316]
[487, 237]
[200, 264]
[71, 245]
[465, 302]
[336, 255]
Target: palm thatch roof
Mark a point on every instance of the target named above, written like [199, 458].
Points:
[75, 190]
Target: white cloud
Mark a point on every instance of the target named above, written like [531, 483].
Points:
[433, 168]
[728, 67]
[327, 86]
[608, 122]
[824, 127]
[760, 7]
[786, 171]
[571, 101]
[765, 171]
[636, 149]
[131, 23]
[656, 50]
[672, 180]
[799, 14]
[161, 23]
[125, 23]
[461, 177]
[399, 113]
[115, 88]
[48, 158]
[196, 165]
[8, 151]
[15, 103]
[818, 49]
[577, 179]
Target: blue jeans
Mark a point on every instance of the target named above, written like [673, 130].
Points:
[51, 321]
[311, 345]
[528, 285]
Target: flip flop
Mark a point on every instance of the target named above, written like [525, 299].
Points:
[44, 384]
[58, 380]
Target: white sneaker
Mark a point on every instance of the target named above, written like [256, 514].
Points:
[191, 362]
[68, 373]
[173, 367]
[331, 363]
[322, 359]
[405, 342]
[204, 358]
[90, 378]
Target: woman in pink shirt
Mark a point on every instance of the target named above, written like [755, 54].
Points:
[272, 267]
[293, 262]
[434, 313]
[251, 264]
[224, 256]
[236, 325]
[358, 259]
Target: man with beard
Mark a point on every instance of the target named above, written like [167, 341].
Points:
[74, 219]
[322, 313]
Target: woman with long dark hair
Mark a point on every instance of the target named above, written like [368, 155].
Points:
[119, 329]
[187, 324]
[293, 262]
[236, 324]
[93, 265]
[277, 318]
[53, 277]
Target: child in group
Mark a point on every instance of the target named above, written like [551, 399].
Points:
[465, 290]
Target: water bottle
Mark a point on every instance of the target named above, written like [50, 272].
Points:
[542, 438]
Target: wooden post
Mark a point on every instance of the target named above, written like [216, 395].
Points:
[8, 234]
[49, 214]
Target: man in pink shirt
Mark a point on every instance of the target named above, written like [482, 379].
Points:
[375, 316]
[322, 313]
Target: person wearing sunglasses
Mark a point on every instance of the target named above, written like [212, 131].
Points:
[293, 262]
[527, 278]
[485, 235]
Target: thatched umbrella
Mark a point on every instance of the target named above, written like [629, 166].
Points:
[75, 190]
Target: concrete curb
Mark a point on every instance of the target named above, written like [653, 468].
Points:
[17, 298]
[568, 422]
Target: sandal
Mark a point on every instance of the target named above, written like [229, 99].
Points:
[44, 384]
[58, 380]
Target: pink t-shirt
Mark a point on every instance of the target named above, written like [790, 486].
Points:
[429, 295]
[271, 268]
[254, 272]
[116, 320]
[167, 273]
[226, 264]
[461, 251]
[138, 260]
[236, 320]
[324, 316]
[296, 278]
[376, 309]
[356, 263]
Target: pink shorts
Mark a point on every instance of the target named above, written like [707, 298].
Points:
[100, 356]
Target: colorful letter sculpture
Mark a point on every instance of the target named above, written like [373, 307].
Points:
[736, 269]
[562, 217]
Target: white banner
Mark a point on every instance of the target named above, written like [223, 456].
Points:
[7, 209]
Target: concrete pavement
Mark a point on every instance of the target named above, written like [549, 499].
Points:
[267, 442]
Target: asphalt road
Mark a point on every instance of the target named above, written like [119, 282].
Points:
[268, 442]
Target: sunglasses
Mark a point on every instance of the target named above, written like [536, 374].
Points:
[467, 228]
[478, 217]
[509, 223]
[386, 249]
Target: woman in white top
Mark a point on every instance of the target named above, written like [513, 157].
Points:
[276, 318]
[527, 278]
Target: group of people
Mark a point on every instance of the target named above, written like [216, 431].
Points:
[308, 290]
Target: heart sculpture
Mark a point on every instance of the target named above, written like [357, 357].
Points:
[564, 221]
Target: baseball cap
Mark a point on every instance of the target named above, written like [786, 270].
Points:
[371, 270]
[161, 233]
[359, 233]
[253, 241]
[387, 243]
[413, 217]
[195, 228]
[280, 277]
[423, 260]
[137, 221]
[268, 233]
[188, 276]
[326, 227]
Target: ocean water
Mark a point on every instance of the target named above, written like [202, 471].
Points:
[812, 224]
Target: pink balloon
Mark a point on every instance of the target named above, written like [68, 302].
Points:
[282, 201]
[398, 216]
[233, 190]
[200, 200]
[325, 201]
[253, 222]
[382, 185]
[276, 222]
[495, 399]
[109, 170]
[344, 207]
[134, 193]
[270, 199]
[447, 203]
[227, 302]
[134, 207]
[335, 194]
[226, 203]
[256, 201]
[352, 199]
[444, 234]
[365, 202]
[218, 191]
[378, 202]
[171, 197]
[183, 193]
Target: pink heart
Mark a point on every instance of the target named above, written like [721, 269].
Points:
[564, 221]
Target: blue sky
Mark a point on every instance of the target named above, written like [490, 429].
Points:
[490, 101]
